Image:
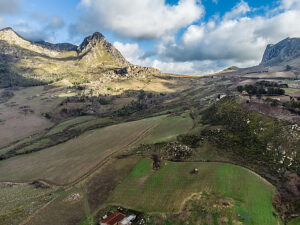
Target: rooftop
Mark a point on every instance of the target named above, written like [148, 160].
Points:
[112, 219]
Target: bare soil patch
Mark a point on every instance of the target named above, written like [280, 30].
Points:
[278, 112]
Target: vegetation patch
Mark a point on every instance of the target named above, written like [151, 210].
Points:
[168, 129]
[168, 189]
[18, 201]
[68, 161]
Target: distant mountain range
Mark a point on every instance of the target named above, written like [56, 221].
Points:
[27, 63]
[286, 51]
[96, 45]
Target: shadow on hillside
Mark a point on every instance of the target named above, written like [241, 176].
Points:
[10, 78]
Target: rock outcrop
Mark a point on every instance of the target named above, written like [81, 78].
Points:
[97, 47]
[283, 51]
[27, 63]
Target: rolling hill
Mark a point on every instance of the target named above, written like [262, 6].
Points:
[84, 132]
[26, 63]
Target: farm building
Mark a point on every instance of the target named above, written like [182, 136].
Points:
[127, 220]
[117, 218]
[245, 93]
[113, 219]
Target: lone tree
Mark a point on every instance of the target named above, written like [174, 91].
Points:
[288, 68]
[156, 161]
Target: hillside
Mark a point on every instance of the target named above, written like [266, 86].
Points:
[83, 132]
[284, 51]
[25, 63]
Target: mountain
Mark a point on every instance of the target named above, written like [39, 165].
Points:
[26, 63]
[100, 49]
[282, 52]
[57, 47]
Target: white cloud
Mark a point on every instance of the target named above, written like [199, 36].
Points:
[9, 6]
[240, 9]
[236, 37]
[147, 19]
[131, 52]
[289, 4]
[193, 34]
[135, 55]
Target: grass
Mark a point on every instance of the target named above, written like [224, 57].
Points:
[291, 90]
[62, 126]
[294, 222]
[19, 201]
[94, 191]
[66, 162]
[165, 190]
[168, 129]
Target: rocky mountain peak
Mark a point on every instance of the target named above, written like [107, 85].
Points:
[11, 37]
[284, 50]
[91, 41]
[97, 45]
[7, 29]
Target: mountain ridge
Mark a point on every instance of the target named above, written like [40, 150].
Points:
[95, 59]
[283, 51]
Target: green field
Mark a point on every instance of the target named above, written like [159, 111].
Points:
[66, 162]
[291, 90]
[168, 129]
[295, 222]
[62, 126]
[165, 190]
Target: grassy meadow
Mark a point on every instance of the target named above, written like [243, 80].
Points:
[294, 222]
[168, 129]
[21, 200]
[166, 190]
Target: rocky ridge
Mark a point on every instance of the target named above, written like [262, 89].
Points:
[23, 62]
[283, 51]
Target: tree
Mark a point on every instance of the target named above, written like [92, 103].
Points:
[142, 95]
[288, 68]
[240, 88]
[258, 96]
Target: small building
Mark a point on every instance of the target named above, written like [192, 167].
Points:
[128, 220]
[113, 219]
[245, 93]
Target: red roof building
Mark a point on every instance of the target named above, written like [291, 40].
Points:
[113, 219]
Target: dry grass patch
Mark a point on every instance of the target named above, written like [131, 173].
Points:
[69, 161]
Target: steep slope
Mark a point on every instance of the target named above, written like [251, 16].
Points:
[96, 49]
[284, 51]
[57, 47]
[26, 63]
[10, 42]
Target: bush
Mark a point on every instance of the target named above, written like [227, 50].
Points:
[288, 68]
[258, 88]
[103, 101]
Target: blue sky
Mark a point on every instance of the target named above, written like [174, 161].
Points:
[179, 36]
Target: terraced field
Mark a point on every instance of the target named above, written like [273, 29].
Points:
[165, 190]
[168, 129]
[67, 162]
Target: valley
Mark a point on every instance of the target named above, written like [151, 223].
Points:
[84, 132]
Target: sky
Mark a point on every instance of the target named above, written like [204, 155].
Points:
[193, 37]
